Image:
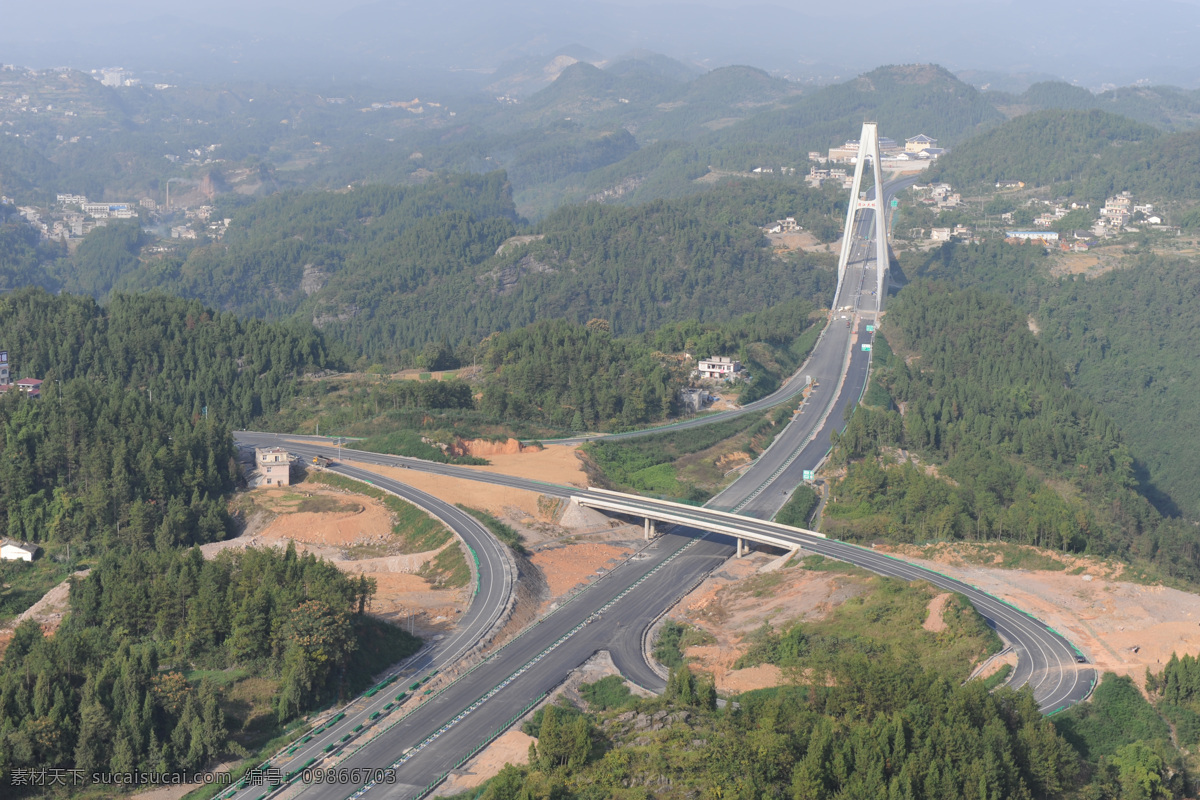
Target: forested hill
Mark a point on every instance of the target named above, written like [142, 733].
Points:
[129, 444]
[1086, 154]
[184, 354]
[1125, 338]
[388, 268]
[1018, 455]
[905, 101]
[1165, 107]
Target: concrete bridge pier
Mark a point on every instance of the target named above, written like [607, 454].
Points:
[650, 532]
[742, 549]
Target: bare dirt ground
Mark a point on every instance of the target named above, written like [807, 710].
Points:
[571, 565]
[1123, 627]
[554, 464]
[493, 499]
[48, 612]
[1095, 262]
[175, 792]
[934, 621]
[738, 598]
[802, 241]
[511, 748]
[356, 536]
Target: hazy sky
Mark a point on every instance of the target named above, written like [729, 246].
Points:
[1094, 42]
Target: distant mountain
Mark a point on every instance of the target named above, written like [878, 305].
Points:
[1165, 107]
[1087, 154]
[904, 100]
[524, 76]
[645, 62]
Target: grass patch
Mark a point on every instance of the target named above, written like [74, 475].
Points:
[998, 677]
[1011, 556]
[682, 465]
[607, 693]
[448, 569]
[823, 564]
[218, 677]
[286, 736]
[501, 531]
[799, 507]
[763, 585]
[675, 637]
[23, 583]
[887, 621]
[249, 707]
[877, 394]
[416, 531]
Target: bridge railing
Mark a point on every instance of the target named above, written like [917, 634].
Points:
[742, 527]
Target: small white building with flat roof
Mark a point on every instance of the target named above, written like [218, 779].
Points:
[274, 465]
[719, 367]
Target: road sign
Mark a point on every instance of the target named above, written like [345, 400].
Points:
[870, 329]
[866, 348]
[808, 474]
[895, 202]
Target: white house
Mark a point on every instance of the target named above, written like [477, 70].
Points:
[719, 367]
[18, 551]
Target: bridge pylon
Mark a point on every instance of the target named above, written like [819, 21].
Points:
[868, 147]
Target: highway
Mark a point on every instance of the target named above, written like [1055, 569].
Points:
[415, 750]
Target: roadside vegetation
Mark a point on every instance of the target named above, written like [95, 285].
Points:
[799, 508]
[885, 620]
[689, 465]
[891, 726]
[500, 530]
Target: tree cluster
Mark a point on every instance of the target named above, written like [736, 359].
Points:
[107, 692]
[991, 405]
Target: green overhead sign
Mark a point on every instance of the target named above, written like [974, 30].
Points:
[870, 329]
[866, 348]
[808, 474]
[895, 202]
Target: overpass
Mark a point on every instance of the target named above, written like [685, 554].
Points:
[768, 533]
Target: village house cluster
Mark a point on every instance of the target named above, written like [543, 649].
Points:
[1120, 210]
[919, 149]
[73, 216]
[1120, 214]
[30, 386]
